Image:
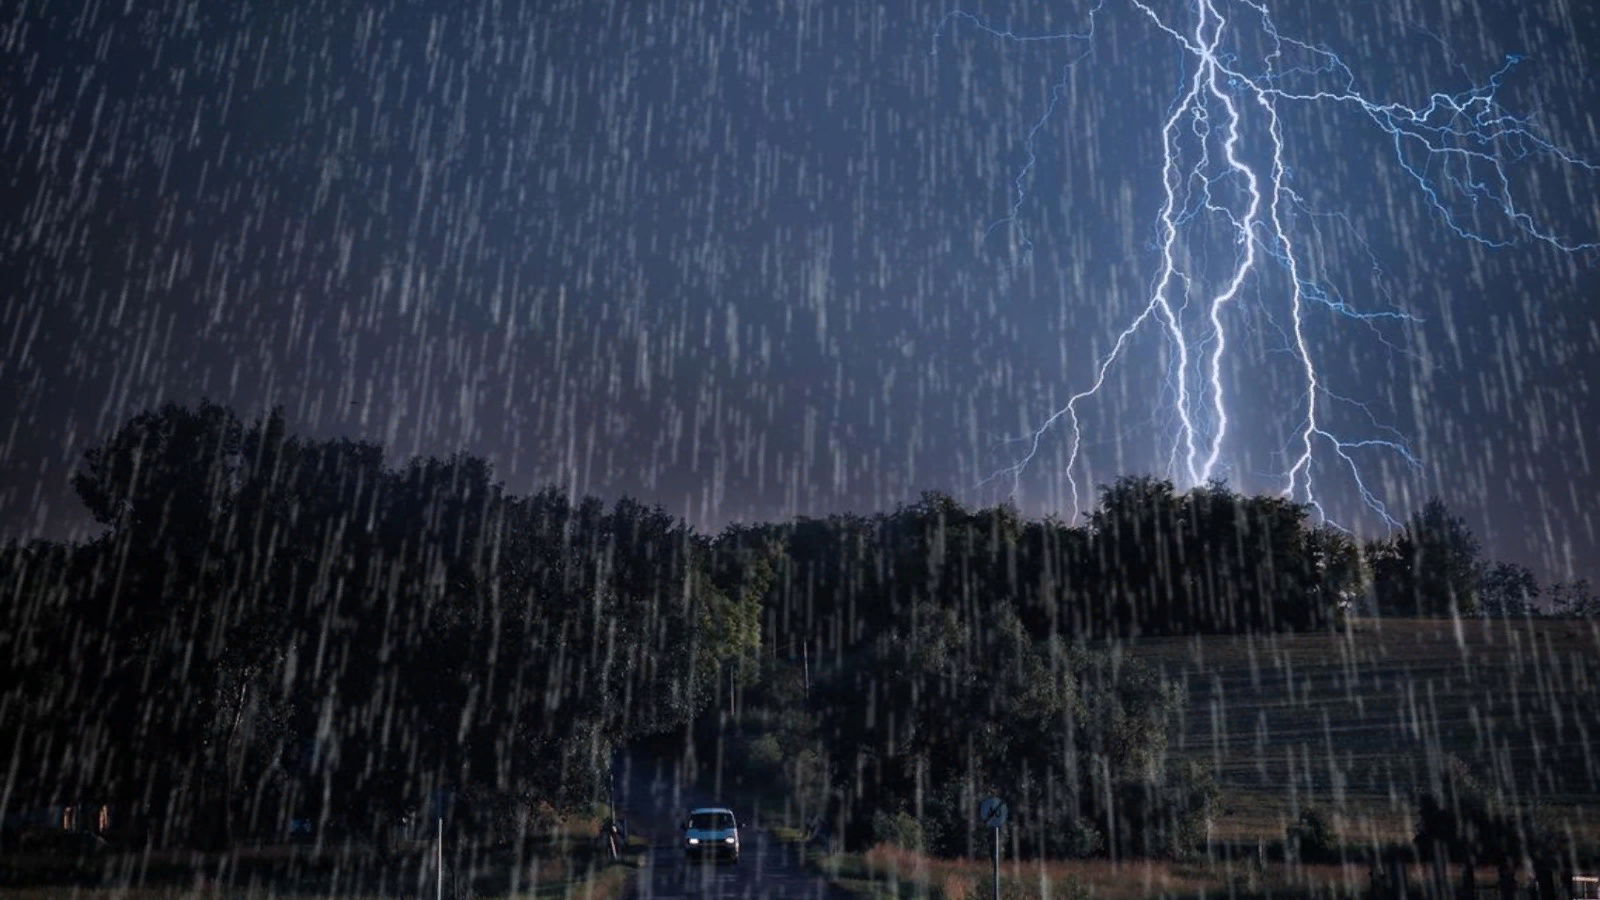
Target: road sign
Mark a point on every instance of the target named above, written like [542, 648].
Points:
[992, 812]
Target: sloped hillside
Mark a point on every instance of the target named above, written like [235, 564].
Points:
[1358, 721]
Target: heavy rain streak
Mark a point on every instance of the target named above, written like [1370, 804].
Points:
[570, 449]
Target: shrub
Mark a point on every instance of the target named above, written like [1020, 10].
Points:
[1312, 837]
[900, 829]
[1168, 817]
[1072, 838]
[765, 751]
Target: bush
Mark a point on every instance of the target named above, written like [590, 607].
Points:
[1312, 836]
[765, 752]
[1074, 838]
[1166, 818]
[900, 829]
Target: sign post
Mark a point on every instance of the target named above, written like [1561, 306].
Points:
[992, 812]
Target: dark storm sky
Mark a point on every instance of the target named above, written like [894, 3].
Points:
[732, 257]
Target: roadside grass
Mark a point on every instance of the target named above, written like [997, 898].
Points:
[551, 880]
[784, 834]
[560, 862]
[889, 873]
[609, 882]
[560, 877]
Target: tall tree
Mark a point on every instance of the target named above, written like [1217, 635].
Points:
[1507, 589]
[1429, 568]
[1341, 572]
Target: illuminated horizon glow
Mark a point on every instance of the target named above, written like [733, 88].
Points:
[1461, 129]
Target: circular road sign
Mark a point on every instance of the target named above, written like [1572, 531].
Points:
[993, 812]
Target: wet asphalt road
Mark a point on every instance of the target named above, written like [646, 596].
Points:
[656, 793]
[766, 869]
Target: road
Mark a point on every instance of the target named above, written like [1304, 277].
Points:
[766, 869]
[656, 793]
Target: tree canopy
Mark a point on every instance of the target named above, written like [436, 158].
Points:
[338, 637]
[273, 626]
[1430, 567]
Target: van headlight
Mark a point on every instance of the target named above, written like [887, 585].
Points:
[728, 840]
[694, 840]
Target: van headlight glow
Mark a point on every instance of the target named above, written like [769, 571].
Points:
[728, 840]
[694, 840]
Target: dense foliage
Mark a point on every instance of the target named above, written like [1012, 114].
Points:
[1430, 567]
[1148, 561]
[939, 713]
[1461, 821]
[272, 627]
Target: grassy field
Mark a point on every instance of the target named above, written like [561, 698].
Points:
[1359, 721]
[1356, 722]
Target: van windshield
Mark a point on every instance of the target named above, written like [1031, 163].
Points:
[710, 822]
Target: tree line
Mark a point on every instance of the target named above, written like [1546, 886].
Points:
[1433, 565]
[273, 627]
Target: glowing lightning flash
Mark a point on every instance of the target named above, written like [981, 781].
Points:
[1455, 129]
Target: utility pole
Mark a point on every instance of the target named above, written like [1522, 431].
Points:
[439, 875]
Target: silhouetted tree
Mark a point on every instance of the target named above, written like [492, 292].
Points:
[1428, 568]
[942, 710]
[278, 626]
[1507, 589]
[1460, 821]
[1574, 598]
[1341, 571]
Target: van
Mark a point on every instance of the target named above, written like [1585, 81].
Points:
[711, 832]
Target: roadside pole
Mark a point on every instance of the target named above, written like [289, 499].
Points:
[805, 649]
[438, 892]
[996, 863]
[992, 813]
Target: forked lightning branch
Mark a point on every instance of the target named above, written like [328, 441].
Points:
[1225, 171]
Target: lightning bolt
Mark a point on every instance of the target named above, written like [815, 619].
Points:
[1457, 148]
